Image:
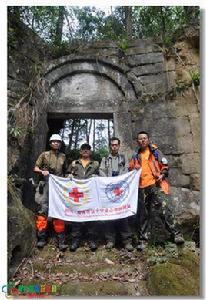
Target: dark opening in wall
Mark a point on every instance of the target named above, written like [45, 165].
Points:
[76, 129]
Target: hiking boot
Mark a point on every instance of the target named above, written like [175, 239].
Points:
[93, 246]
[178, 239]
[61, 241]
[109, 245]
[128, 246]
[41, 243]
[141, 245]
[74, 245]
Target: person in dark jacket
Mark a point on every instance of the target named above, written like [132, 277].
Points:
[83, 168]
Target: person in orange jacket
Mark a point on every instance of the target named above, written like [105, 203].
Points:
[153, 190]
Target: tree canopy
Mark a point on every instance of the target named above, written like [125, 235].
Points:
[66, 24]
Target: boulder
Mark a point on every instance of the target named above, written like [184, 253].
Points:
[21, 231]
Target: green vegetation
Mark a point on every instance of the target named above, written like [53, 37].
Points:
[70, 24]
[15, 132]
[99, 154]
[195, 75]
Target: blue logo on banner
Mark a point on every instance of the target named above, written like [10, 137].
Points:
[117, 192]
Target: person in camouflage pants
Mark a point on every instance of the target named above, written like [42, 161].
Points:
[153, 209]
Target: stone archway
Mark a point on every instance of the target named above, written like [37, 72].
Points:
[92, 86]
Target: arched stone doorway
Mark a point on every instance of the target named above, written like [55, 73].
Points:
[91, 87]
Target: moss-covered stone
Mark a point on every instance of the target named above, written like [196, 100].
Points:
[107, 288]
[176, 277]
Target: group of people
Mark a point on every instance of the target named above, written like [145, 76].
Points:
[153, 193]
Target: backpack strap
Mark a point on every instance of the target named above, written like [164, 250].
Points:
[96, 164]
[73, 163]
[135, 156]
[121, 159]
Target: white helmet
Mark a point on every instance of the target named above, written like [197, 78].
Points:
[55, 137]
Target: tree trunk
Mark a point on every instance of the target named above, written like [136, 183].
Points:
[59, 25]
[109, 137]
[93, 144]
[71, 134]
[89, 129]
[69, 24]
[77, 128]
[163, 26]
[128, 21]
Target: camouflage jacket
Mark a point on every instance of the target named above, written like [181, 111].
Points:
[52, 162]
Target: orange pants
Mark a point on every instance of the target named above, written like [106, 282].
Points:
[42, 223]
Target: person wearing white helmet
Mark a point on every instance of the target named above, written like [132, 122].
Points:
[49, 162]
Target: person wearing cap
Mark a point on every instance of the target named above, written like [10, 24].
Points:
[49, 162]
[113, 165]
[83, 168]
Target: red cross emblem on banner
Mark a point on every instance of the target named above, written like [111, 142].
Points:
[117, 191]
[76, 194]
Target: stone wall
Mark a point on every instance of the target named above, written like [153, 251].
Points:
[27, 128]
[146, 87]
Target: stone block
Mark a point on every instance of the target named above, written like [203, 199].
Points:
[171, 79]
[166, 126]
[177, 179]
[181, 126]
[195, 182]
[184, 105]
[158, 78]
[175, 161]
[172, 145]
[138, 50]
[191, 163]
[195, 129]
[185, 144]
[185, 203]
[147, 41]
[148, 69]
[17, 86]
[143, 59]
[122, 121]
[170, 64]
[154, 89]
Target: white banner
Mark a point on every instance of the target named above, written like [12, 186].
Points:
[97, 198]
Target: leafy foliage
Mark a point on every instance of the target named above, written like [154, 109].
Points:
[100, 153]
[160, 20]
[195, 75]
[15, 132]
[90, 23]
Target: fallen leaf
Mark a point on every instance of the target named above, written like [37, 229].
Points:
[131, 280]
[116, 278]
[108, 261]
[17, 283]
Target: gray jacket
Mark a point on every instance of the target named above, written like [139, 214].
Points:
[113, 165]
